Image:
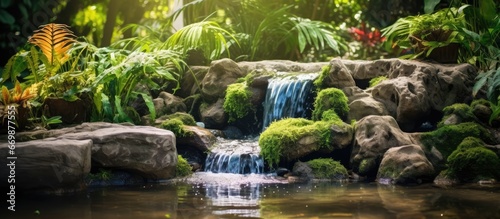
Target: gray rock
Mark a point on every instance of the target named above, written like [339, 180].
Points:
[374, 135]
[167, 103]
[221, 74]
[50, 165]
[213, 115]
[406, 165]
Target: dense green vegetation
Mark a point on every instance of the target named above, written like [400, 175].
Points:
[330, 99]
[237, 102]
[183, 168]
[326, 168]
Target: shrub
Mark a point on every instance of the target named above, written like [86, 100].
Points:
[237, 102]
[472, 161]
[325, 168]
[330, 98]
[183, 168]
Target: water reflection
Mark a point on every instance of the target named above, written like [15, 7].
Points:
[234, 196]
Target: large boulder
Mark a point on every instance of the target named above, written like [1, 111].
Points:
[221, 74]
[147, 151]
[281, 66]
[197, 137]
[405, 165]
[338, 76]
[373, 136]
[190, 81]
[56, 165]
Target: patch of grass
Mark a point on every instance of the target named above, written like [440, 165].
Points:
[328, 99]
[325, 168]
[183, 168]
[447, 138]
[237, 102]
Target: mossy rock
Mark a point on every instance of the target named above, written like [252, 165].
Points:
[183, 168]
[185, 118]
[328, 99]
[319, 82]
[471, 161]
[237, 102]
[327, 168]
[462, 110]
[281, 137]
[447, 138]
[176, 126]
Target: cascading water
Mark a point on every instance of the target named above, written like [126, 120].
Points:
[287, 97]
[235, 156]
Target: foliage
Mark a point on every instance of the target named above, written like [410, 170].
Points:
[207, 36]
[424, 33]
[120, 72]
[472, 161]
[367, 42]
[103, 174]
[237, 102]
[325, 168]
[268, 30]
[17, 95]
[54, 40]
[183, 168]
[330, 98]
[376, 80]
[447, 138]
[185, 118]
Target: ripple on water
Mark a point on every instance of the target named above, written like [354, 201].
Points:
[231, 179]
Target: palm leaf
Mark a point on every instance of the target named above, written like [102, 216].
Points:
[54, 40]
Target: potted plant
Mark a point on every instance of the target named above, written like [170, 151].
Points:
[435, 36]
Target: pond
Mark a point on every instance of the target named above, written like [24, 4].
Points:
[209, 195]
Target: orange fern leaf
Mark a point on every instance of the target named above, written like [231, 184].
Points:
[54, 40]
[5, 95]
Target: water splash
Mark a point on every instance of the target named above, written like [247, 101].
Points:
[287, 97]
[235, 156]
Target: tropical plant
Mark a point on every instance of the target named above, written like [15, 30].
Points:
[424, 33]
[119, 73]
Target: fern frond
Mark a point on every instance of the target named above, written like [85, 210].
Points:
[54, 40]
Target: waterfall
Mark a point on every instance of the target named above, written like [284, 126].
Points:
[235, 156]
[234, 163]
[287, 97]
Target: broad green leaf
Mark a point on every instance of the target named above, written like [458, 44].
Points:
[429, 5]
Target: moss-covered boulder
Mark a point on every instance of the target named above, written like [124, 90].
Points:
[447, 138]
[183, 168]
[405, 165]
[457, 113]
[321, 168]
[471, 161]
[330, 99]
[292, 138]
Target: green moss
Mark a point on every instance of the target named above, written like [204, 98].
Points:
[283, 134]
[319, 82]
[447, 138]
[325, 168]
[376, 80]
[185, 118]
[366, 165]
[330, 115]
[176, 126]
[183, 168]
[330, 98]
[237, 102]
[480, 102]
[472, 161]
[462, 110]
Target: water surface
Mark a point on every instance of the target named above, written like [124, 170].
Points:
[209, 195]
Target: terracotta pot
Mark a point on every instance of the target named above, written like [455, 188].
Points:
[71, 112]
